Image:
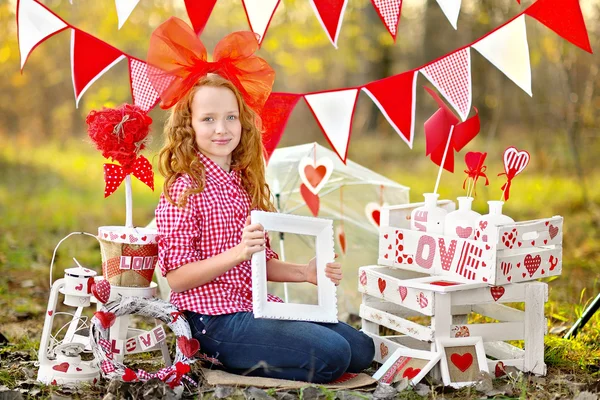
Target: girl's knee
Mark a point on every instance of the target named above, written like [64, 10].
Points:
[334, 360]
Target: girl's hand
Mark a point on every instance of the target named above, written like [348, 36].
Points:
[253, 241]
[333, 271]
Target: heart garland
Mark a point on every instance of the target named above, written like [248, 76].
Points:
[315, 173]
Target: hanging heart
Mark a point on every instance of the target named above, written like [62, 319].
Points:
[311, 199]
[101, 291]
[313, 174]
[373, 213]
[515, 161]
[341, 237]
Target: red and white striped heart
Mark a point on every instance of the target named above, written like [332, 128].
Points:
[363, 278]
[422, 300]
[515, 161]
[313, 174]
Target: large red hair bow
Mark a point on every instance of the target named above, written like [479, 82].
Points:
[177, 59]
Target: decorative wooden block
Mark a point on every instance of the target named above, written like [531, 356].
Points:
[525, 250]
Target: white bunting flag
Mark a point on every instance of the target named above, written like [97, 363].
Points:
[259, 14]
[508, 50]
[35, 23]
[124, 9]
[451, 9]
[451, 76]
[333, 111]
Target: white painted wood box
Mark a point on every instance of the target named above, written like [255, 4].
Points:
[525, 251]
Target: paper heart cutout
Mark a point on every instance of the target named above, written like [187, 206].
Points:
[341, 237]
[552, 231]
[515, 160]
[62, 367]
[382, 284]
[373, 213]
[106, 318]
[101, 291]
[315, 175]
[188, 347]
[403, 292]
[464, 233]
[311, 200]
[383, 349]
[497, 292]
[462, 361]
[129, 375]
[411, 372]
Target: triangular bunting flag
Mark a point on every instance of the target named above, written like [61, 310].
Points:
[199, 11]
[389, 12]
[451, 76]
[508, 50]
[142, 92]
[395, 97]
[35, 23]
[90, 59]
[563, 17]
[330, 14]
[451, 9]
[259, 14]
[124, 9]
[274, 116]
[334, 111]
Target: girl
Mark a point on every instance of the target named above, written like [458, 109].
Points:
[214, 169]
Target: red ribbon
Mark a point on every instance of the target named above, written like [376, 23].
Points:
[437, 131]
[506, 187]
[114, 174]
[171, 375]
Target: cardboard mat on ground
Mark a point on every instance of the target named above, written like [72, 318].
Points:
[217, 377]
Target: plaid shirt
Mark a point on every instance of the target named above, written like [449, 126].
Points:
[211, 223]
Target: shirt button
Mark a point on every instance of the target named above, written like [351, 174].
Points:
[201, 319]
[203, 331]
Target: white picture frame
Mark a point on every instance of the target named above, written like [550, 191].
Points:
[326, 308]
[444, 344]
[399, 364]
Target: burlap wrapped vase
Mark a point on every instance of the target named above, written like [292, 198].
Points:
[129, 255]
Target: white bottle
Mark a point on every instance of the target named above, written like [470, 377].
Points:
[462, 222]
[429, 217]
[486, 225]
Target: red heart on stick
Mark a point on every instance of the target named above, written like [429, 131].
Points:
[311, 199]
[462, 361]
[188, 347]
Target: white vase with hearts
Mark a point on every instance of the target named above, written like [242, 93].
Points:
[487, 223]
[462, 222]
[429, 217]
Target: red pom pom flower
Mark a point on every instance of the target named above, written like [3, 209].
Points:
[120, 134]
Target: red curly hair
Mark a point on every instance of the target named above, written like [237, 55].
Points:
[179, 154]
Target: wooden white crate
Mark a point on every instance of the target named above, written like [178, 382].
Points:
[448, 318]
[525, 251]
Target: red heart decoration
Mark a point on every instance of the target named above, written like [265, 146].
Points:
[182, 368]
[499, 370]
[105, 235]
[129, 375]
[90, 283]
[553, 231]
[144, 238]
[382, 284]
[422, 300]
[363, 278]
[462, 361]
[524, 274]
[101, 291]
[78, 369]
[532, 263]
[188, 347]
[497, 292]
[403, 292]
[519, 244]
[376, 216]
[411, 372]
[79, 287]
[464, 233]
[385, 236]
[545, 241]
[533, 242]
[63, 367]
[383, 349]
[315, 175]
[341, 235]
[311, 199]
[50, 312]
[123, 236]
[53, 382]
[106, 318]
[509, 278]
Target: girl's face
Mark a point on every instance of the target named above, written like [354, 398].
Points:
[216, 122]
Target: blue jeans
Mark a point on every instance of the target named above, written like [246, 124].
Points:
[295, 350]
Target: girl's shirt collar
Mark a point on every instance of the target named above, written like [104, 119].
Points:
[216, 174]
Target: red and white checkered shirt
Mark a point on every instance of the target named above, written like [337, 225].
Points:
[211, 223]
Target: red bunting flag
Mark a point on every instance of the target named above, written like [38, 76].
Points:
[199, 11]
[330, 14]
[90, 59]
[275, 116]
[563, 17]
[395, 97]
